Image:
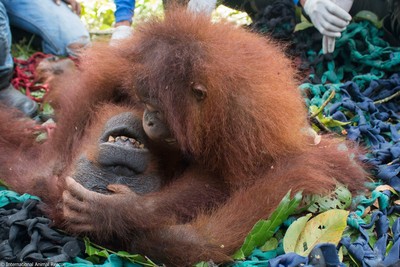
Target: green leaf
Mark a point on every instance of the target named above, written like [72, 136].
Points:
[293, 233]
[47, 109]
[302, 26]
[3, 184]
[96, 252]
[326, 227]
[270, 245]
[42, 137]
[263, 230]
[330, 123]
[91, 250]
[370, 16]
[338, 199]
[136, 258]
[201, 264]
[313, 109]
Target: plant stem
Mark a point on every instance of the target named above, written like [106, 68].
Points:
[331, 95]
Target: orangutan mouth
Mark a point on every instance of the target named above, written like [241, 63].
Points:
[124, 140]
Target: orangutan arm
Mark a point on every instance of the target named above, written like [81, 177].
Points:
[90, 212]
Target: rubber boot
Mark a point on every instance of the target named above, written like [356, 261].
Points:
[13, 98]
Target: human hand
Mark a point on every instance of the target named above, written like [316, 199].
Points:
[74, 5]
[205, 6]
[328, 17]
[328, 43]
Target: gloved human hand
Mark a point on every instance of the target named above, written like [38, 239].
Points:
[120, 33]
[204, 6]
[328, 43]
[328, 17]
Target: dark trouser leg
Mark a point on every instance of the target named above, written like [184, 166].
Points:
[9, 96]
[6, 61]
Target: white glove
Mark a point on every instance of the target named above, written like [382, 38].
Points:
[204, 6]
[329, 18]
[328, 43]
[120, 33]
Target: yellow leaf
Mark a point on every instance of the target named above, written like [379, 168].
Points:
[385, 187]
[326, 227]
[293, 233]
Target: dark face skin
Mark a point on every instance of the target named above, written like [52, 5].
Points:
[122, 158]
[155, 127]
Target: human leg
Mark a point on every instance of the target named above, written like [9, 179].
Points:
[61, 30]
[9, 96]
[6, 60]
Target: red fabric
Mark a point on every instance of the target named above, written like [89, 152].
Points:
[24, 75]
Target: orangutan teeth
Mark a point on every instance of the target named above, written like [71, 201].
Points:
[170, 140]
[126, 140]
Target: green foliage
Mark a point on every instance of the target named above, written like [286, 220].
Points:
[3, 185]
[47, 110]
[304, 234]
[23, 49]
[98, 14]
[304, 24]
[238, 17]
[369, 16]
[270, 245]
[327, 121]
[202, 264]
[338, 199]
[97, 254]
[147, 8]
[265, 229]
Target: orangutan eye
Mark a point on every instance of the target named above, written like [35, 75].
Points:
[199, 91]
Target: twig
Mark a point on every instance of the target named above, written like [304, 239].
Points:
[331, 95]
[387, 99]
[393, 162]
[320, 125]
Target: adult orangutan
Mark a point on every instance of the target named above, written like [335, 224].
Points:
[99, 140]
[40, 168]
[228, 104]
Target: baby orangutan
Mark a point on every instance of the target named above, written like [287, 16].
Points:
[228, 102]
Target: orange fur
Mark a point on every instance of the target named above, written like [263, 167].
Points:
[250, 131]
[240, 149]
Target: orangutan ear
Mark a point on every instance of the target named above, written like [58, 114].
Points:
[199, 91]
